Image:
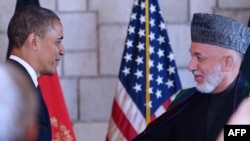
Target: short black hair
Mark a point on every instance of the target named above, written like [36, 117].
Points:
[29, 19]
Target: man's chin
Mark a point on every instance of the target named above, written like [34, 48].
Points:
[204, 89]
[50, 73]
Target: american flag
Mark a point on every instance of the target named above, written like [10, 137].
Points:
[129, 111]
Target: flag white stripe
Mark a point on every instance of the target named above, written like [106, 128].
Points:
[130, 109]
[160, 111]
[114, 133]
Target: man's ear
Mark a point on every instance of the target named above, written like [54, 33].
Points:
[228, 63]
[32, 40]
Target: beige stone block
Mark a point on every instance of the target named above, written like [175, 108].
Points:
[7, 8]
[72, 5]
[186, 77]
[80, 31]
[50, 4]
[96, 98]
[80, 64]
[112, 11]
[95, 131]
[234, 4]
[240, 15]
[174, 11]
[180, 40]
[201, 6]
[59, 68]
[69, 88]
[112, 44]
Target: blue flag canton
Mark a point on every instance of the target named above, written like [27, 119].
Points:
[163, 77]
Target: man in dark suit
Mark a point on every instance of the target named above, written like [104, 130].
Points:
[35, 36]
[200, 113]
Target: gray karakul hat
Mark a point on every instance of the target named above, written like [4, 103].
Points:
[221, 31]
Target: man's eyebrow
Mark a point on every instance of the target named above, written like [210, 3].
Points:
[197, 53]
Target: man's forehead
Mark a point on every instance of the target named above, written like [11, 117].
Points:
[206, 48]
[56, 29]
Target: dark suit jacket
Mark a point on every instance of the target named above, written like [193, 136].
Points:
[187, 117]
[44, 133]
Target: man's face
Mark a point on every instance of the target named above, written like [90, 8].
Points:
[51, 49]
[206, 66]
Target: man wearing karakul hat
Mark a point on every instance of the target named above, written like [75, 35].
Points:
[200, 113]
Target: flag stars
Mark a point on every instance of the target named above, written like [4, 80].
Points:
[160, 12]
[152, 36]
[129, 43]
[138, 73]
[171, 70]
[141, 33]
[143, 5]
[142, 19]
[131, 29]
[137, 87]
[149, 104]
[126, 71]
[159, 80]
[151, 63]
[151, 77]
[161, 40]
[140, 46]
[151, 90]
[158, 94]
[136, 2]
[160, 53]
[151, 50]
[152, 22]
[133, 16]
[128, 57]
[171, 56]
[139, 60]
[160, 67]
[170, 83]
[162, 26]
[152, 8]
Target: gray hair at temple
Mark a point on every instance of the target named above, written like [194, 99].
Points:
[18, 106]
[221, 31]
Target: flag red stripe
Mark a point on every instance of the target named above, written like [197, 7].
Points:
[166, 103]
[122, 122]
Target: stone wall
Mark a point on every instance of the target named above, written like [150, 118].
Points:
[94, 36]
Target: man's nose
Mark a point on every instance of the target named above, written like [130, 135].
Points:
[192, 65]
[61, 50]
